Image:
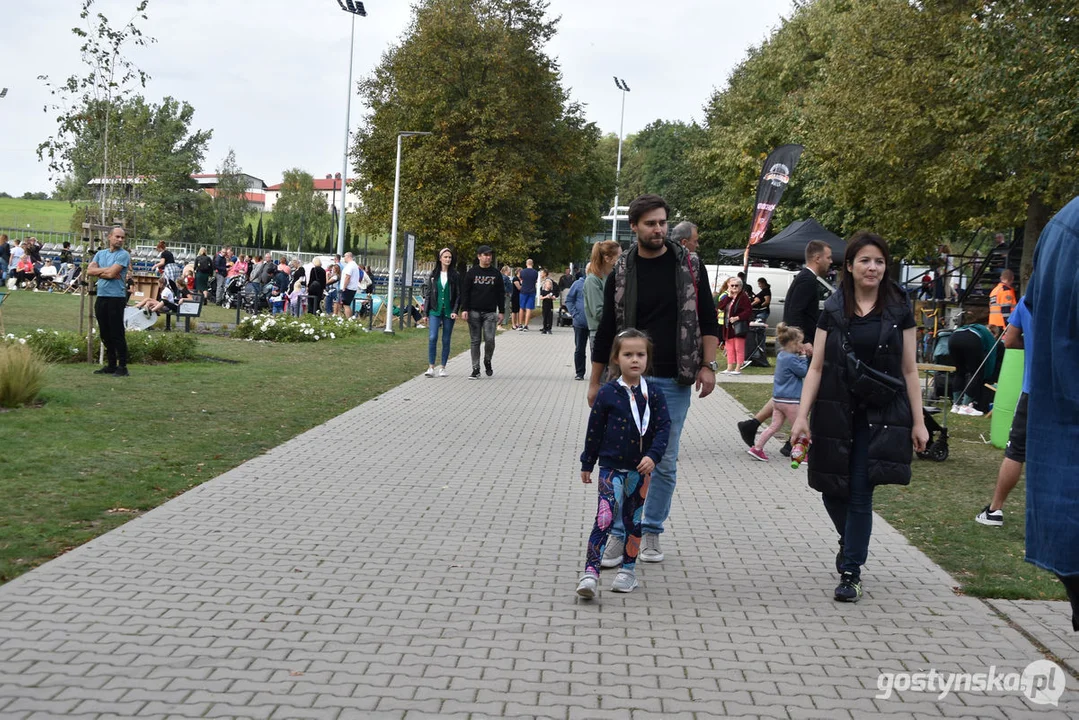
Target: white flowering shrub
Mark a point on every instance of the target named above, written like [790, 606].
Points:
[57, 346]
[286, 328]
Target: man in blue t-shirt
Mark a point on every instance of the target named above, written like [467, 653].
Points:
[110, 266]
[1015, 452]
[527, 288]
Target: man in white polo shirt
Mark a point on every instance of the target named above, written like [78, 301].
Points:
[350, 283]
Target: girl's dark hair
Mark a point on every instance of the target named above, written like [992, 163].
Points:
[886, 290]
[629, 334]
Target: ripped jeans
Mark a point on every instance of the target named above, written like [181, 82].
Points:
[621, 493]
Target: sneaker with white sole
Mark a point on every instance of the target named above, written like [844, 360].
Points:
[430, 372]
[587, 586]
[849, 589]
[990, 517]
[612, 554]
[625, 581]
[650, 550]
[757, 454]
[442, 372]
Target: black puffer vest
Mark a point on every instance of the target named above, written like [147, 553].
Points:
[832, 416]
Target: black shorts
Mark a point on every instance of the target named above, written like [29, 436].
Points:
[1016, 449]
[347, 296]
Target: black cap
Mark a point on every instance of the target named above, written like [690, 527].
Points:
[485, 250]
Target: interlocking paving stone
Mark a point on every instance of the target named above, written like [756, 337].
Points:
[417, 556]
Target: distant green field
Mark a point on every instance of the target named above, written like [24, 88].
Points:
[54, 215]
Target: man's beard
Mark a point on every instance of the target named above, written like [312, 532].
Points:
[650, 242]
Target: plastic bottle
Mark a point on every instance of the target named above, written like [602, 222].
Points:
[799, 450]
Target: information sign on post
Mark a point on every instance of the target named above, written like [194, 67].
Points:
[410, 259]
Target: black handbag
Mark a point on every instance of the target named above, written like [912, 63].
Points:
[739, 328]
[870, 386]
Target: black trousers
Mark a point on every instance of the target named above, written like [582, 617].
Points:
[548, 314]
[1071, 584]
[109, 312]
[965, 347]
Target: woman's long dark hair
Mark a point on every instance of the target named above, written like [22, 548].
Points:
[886, 290]
[438, 261]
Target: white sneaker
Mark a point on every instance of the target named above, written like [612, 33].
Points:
[586, 588]
[736, 372]
[956, 409]
[625, 581]
[650, 550]
[612, 554]
[442, 372]
[430, 372]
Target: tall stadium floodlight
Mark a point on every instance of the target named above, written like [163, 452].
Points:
[352, 8]
[621, 85]
[393, 228]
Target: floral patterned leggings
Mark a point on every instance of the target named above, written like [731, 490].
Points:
[619, 491]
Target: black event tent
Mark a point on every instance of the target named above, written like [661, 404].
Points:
[791, 243]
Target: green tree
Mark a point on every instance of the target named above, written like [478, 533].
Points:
[230, 203]
[257, 240]
[506, 140]
[298, 211]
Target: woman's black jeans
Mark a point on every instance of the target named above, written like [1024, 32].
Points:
[853, 515]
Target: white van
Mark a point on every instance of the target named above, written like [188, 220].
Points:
[778, 278]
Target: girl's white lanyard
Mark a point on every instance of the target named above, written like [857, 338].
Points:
[642, 425]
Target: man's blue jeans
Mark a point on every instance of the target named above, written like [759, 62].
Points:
[853, 515]
[657, 505]
[434, 322]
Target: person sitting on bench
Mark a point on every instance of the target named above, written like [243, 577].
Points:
[166, 301]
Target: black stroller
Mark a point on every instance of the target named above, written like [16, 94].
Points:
[937, 446]
[234, 287]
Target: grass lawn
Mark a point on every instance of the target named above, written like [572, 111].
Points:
[102, 450]
[936, 512]
[52, 215]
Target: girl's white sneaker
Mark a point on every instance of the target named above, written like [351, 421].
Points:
[586, 588]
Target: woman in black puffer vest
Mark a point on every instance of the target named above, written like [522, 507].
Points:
[857, 446]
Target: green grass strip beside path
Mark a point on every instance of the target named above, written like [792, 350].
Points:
[936, 511]
[102, 450]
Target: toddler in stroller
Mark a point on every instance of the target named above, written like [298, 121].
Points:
[234, 287]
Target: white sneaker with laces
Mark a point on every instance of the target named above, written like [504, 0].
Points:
[650, 550]
[612, 554]
[430, 372]
[442, 372]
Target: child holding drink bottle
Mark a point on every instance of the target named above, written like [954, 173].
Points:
[791, 369]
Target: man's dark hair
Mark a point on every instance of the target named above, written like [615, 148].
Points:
[815, 248]
[67, 243]
[646, 203]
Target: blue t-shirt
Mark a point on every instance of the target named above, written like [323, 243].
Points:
[1021, 319]
[528, 281]
[106, 259]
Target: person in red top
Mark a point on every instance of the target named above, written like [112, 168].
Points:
[737, 308]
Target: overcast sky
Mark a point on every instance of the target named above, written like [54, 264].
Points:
[269, 77]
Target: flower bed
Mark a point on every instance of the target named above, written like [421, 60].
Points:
[287, 328]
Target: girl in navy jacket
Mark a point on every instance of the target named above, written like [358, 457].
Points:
[627, 433]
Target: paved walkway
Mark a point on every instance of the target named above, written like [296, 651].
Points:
[417, 556]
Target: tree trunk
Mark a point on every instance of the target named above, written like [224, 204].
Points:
[1037, 218]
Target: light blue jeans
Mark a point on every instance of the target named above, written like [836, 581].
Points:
[433, 324]
[657, 505]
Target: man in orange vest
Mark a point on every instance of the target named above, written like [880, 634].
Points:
[1001, 302]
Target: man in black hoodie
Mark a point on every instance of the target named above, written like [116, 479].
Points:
[483, 299]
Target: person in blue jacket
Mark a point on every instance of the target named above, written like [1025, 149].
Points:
[575, 305]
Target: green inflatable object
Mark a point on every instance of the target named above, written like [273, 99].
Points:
[1009, 386]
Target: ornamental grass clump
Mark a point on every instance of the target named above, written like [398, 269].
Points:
[286, 328]
[22, 375]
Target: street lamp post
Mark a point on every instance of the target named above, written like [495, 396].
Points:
[393, 228]
[621, 85]
[353, 8]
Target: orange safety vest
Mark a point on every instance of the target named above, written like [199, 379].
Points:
[1001, 302]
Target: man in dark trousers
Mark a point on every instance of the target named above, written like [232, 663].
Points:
[801, 307]
[483, 298]
[110, 266]
[661, 289]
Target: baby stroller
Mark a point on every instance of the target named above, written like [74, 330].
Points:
[936, 448]
[234, 288]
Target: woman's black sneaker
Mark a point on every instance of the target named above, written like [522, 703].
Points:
[849, 589]
[105, 371]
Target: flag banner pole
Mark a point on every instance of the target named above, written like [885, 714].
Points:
[775, 177]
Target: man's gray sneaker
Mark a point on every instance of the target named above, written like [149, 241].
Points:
[625, 581]
[650, 550]
[612, 554]
[586, 588]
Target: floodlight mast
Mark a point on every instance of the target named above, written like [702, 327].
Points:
[352, 8]
[621, 85]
